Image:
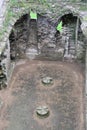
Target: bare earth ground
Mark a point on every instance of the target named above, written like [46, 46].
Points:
[65, 98]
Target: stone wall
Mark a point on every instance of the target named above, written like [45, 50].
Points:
[51, 11]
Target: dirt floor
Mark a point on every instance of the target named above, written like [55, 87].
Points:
[65, 98]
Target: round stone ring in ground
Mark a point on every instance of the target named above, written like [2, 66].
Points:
[47, 81]
[42, 111]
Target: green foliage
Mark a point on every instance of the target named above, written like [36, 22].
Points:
[40, 1]
[83, 8]
[13, 2]
[59, 26]
[33, 15]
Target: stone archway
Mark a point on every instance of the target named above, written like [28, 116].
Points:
[48, 51]
[18, 38]
[72, 36]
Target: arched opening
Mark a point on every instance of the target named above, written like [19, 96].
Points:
[30, 36]
[18, 38]
[71, 37]
[23, 38]
[63, 97]
[38, 38]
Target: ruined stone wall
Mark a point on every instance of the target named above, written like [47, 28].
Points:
[41, 36]
[4, 45]
[51, 11]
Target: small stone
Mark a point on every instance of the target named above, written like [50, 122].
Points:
[53, 5]
[47, 80]
[2, 76]
[51, 45]
[42, 111]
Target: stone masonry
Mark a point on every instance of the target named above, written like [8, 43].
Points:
[4, 42]
[65, 8]
[5, 64]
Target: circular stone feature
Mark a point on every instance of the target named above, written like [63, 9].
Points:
[47, 80]
[42, 111]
